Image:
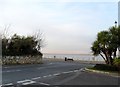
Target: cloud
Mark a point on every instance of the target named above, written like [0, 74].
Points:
[69, 26]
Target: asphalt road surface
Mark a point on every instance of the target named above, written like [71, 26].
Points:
[54, 73]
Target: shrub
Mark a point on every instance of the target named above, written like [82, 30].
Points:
[116, 62]
[105, 67]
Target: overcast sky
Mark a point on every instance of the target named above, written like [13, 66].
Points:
[68, 26]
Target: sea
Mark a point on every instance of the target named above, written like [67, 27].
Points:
[82, 57]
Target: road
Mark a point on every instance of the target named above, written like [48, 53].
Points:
[54, 73]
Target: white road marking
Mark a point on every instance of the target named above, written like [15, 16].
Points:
[82, 69]
[50, 63]
[12, 71]
[65, 72]
[6, 67]
[18, 70]
[27, 83]
[7, 71]
[8, 84]
[76, 70]
[44, 76]
[49, 75]
[44, 83]
[23, 81]
[56, 74]
[36, 78]
[70, 71]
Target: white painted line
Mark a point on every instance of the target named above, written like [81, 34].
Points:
[49, 75]
[8, 84]
[8, 71]
[56, 74]
[5, 67]
[18, 70]
[82, 69]
[12, 71]
[27, 83]
[23, 81]
[36, 78]
[44, 83]
[70, 71]
[76, 70]
[44, 76]
[50, 63]
[65, 72]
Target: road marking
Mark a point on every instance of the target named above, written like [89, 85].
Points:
[76, 70]
[82, 69]
[7, 84]
[65, 72]
[8, 71]
[50, 63]
[27, 83]
[49, 75]
[6, 67]
[36, 78]
[56, 74]
[70, 71]
[44, 83]
[11, 71]
[18, 70]
[44, 76]
[23, 81]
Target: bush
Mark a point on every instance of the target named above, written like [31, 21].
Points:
[116, 62]
[105, 67]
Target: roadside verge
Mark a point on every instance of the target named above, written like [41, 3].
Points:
[114, 74]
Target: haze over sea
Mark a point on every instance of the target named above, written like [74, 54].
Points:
[83, 57]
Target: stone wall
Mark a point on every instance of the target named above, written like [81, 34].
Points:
[21, 60]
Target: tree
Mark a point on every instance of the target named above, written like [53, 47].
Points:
[107, 44]
[20, 46]
[114, 39]
[38, 36]
[14, 45]
[118, 33]
[4, 46]
[101, 46]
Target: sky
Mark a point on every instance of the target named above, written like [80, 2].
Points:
[68, 26]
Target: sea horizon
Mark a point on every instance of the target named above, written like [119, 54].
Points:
[84, 57]
[71, 53]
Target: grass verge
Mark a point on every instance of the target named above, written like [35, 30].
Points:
[106, 69]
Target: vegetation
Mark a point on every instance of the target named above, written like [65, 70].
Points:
[116, 62]
[105, 67]
[20, 46]
[18, 49]
[106, 44]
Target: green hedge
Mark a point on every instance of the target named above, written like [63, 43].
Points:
[105, 67]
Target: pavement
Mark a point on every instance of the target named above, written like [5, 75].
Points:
[54, 73]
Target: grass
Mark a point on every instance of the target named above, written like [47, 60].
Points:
[106, 68]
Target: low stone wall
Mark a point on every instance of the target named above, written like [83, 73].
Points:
[21, 60]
